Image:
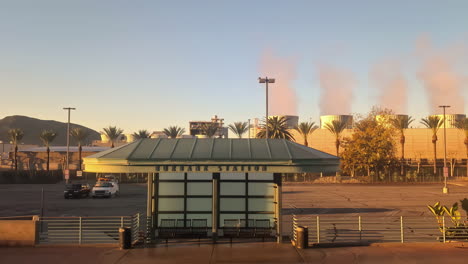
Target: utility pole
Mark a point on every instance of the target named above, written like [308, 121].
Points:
[266, 81]
[445, 189]
[68, 143]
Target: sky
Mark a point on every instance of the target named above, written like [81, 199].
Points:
[153, 64]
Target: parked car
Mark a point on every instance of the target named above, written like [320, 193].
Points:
[105, 189]
[108, 178]
[76, 190]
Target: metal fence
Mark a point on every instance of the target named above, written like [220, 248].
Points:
[371, 229]
[86, 230]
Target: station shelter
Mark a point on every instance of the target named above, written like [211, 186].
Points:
[213, 179]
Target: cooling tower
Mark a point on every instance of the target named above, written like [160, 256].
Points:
[325, 119]
[129, 138]
[451, 119]
[385, 119]
[104, 138]
[292, 121]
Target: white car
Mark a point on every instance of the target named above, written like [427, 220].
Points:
[105, 189]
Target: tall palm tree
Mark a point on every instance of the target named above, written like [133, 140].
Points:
[401, 123]
[113, 134]
[336, 127]
[305, 129]
[463, 125]
[433, 123]
[239, 128]
[141, 134]
[15, 135]
[174, 131]
[209, 129]
[47, 136]
[79, 134]
[277, 128]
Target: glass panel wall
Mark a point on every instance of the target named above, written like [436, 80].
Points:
[171, 188]
[171, 176]
[185, 196]
[199, 188]
[232, 204]
[232, 188]
[246, 196]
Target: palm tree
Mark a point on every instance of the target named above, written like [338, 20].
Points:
[277, 128]
[47, 136]
[113, 134]
[209, 129]
[433, 123]
[336, 127]
[401, 123]
[15, 135]
[174, 131]
[80, 135]
[305, 129]
[239, 128]
[141, 134]
[463, 125]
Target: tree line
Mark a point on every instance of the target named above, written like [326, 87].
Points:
[371, 146]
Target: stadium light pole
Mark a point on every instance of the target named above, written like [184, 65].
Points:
[68, 140]
[266, 81]
[445, 189]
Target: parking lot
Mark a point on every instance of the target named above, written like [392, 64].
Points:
[309, 199]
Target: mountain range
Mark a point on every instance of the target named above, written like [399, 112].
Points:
[32, 127]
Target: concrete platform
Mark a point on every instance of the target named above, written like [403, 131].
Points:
[255, 252]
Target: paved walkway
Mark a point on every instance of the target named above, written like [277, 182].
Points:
[267, 252]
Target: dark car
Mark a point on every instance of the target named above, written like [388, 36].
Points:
[76, 190]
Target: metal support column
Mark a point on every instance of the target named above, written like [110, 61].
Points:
[155, 203]
[215, 207]
[278, 206]
[149, 206]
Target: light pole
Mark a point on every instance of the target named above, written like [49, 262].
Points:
[68, 142]
[445, 189]
[3, 148]
[266, 81]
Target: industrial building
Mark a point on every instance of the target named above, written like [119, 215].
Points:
[196, 130]
[325, 119]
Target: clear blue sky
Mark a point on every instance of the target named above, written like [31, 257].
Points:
[151, 64]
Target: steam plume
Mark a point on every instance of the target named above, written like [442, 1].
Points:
[282, 95]
[392, 85]
[336, 90]
[443, 83]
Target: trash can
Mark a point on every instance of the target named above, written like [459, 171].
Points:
[302, 237]
[125, 238]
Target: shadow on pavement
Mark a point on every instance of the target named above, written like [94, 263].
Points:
[307, 211]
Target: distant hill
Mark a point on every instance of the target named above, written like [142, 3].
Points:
[32, 127]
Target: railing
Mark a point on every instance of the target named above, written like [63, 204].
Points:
[373, 229]
[86, 230]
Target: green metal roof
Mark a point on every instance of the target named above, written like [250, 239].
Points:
[193, 151]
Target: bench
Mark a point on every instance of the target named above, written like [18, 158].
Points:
[182, 228]
[236, 228]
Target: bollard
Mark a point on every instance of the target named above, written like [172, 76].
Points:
[125, 238]
[302, 237]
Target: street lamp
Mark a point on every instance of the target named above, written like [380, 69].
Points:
[249, 127]
[266, 81]
[68, 142]
[445, 189]
[3, 149]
